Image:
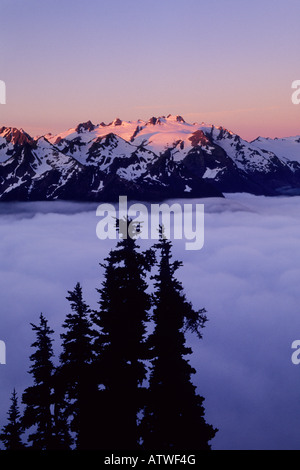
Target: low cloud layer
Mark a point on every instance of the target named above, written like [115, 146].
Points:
[247, 276]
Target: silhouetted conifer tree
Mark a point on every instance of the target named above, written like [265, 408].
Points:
[13, 430]
[174, 415]
[38, 398]
[124, 310]
[75, 385]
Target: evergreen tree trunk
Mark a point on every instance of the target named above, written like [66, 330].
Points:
[124, 307]
[174, 414]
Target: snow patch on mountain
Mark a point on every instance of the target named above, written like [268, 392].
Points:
[287, 148]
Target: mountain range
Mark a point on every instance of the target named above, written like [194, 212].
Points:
[162, 158]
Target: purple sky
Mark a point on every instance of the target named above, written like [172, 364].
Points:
[229, 63]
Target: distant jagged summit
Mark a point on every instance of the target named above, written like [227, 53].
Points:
[85, 126]
[14, 135]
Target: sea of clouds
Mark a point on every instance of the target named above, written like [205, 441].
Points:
[247, 276]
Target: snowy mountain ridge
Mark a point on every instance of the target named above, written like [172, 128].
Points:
[164, 157]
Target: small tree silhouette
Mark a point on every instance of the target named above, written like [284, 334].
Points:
[74, 380]
[12, 432]
[38, 398]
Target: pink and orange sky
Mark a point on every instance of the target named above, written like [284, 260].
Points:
[226, 62]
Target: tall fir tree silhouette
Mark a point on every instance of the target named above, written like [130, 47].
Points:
[75, 386]
[174, 414]
[124, 311]
[13, 430]
[38, 398]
